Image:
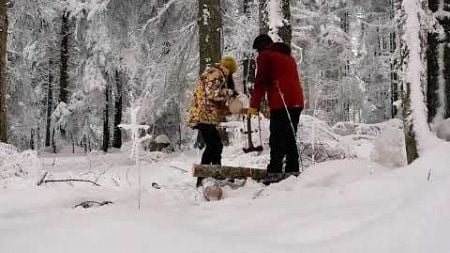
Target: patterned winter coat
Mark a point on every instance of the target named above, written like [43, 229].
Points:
[208, 103]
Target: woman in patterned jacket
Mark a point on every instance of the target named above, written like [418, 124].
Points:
[208, 107]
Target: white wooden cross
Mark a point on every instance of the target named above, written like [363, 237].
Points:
[134, 127]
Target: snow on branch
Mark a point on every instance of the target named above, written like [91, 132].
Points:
[163, 11]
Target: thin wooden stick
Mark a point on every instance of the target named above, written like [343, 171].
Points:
[70, 180]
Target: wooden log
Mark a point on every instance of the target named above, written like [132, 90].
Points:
[227, 172]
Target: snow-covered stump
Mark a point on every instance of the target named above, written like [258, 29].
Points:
[134, 128]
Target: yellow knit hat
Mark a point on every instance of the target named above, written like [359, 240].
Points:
[230, 63]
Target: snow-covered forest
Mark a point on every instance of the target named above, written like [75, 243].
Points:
[86, 83]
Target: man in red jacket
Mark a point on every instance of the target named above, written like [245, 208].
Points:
[277, 76]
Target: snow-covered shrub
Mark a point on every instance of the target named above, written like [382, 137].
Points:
[369, 129]
[389, 148]
[320, 141]
[443, 130]
[17, 164]
[350, 128]
[344, 128]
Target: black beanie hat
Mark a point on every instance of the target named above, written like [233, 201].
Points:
[262, 41]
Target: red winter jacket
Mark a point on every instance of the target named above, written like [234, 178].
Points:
[277, 68]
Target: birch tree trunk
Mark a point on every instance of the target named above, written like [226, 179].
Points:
[210, 32]
[3, 82]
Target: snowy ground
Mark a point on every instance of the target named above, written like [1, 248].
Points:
[337, 206]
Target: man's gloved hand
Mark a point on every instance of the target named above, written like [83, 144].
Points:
[252, 111]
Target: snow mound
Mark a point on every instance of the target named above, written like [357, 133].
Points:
[350, 128]
[15, 164]
[320, 141]
[336, 173]
[344, 128]
[443, 130]
[389, 147]
[369, 129]
[162, 139]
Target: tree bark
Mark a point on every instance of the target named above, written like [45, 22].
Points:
[117, 138]
[227, 172]
[210, 33]
[432, 75]
[64, 76]
[438, 63]
[3, 82]
[49, 106]
[395, 61]
[106, 134]
[285, 31]
[345, 102]
[413, 125]
[447, 78]
[446, 25]
[410, 136]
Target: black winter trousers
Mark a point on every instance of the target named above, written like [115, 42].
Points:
[214, 146]
[282, 140]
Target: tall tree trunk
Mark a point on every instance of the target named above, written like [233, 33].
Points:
[396, 63]
[414, 108]
[117, 138]
[410, 135]
[432, 75]
[447, 79]
[106, 133]
[438, 63]
[210, 33]
[345, 102]
[445, 22]
[64, 47]
[48, 134]
[248, 64]
[285, 31]
[3, 82]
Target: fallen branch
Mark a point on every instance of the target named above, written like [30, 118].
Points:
[42, 179]
[257, 194]
[90, 203]
[180, 169]
[70, 180]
